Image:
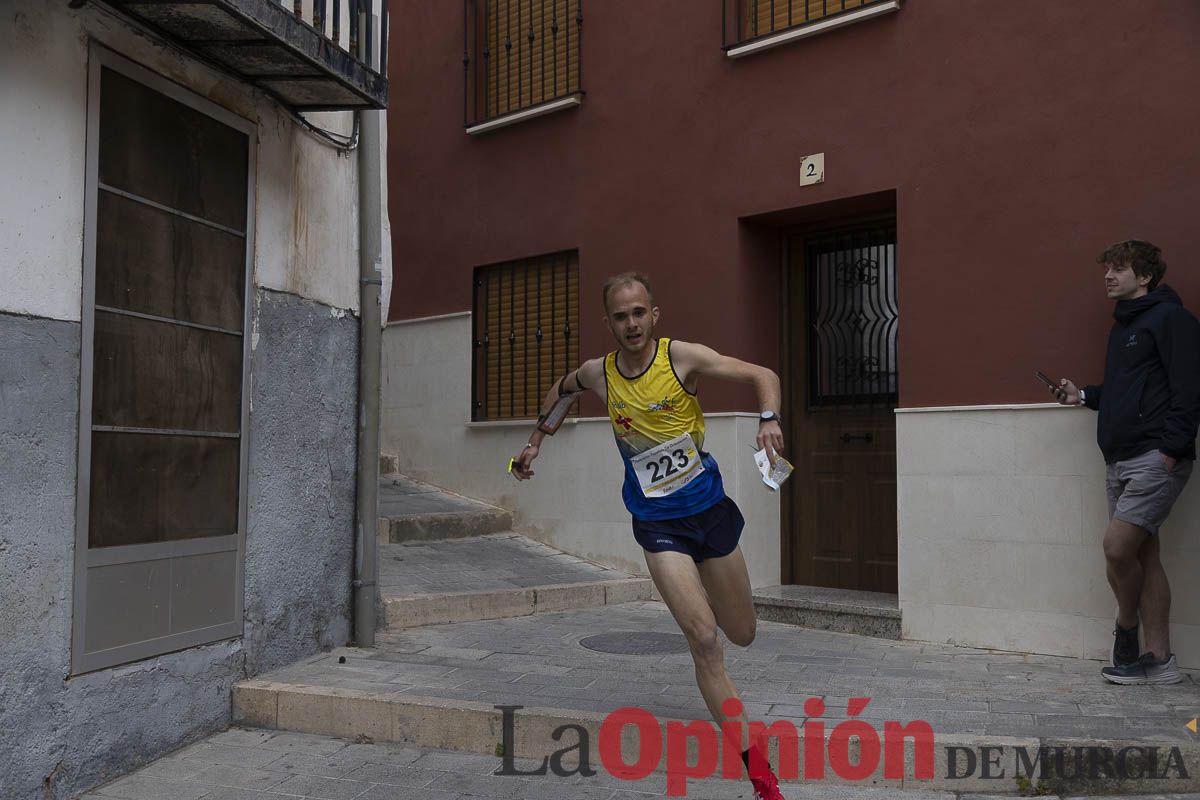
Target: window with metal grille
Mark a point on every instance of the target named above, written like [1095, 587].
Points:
[526, 323]
[753, 19]
[853, 318]
[519, 54]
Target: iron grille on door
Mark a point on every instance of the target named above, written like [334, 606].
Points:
[525, 53]
[853, 318]
[526, 323]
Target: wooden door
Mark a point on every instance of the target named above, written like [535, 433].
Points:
[840, 514]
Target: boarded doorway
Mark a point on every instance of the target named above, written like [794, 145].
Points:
[842, 327]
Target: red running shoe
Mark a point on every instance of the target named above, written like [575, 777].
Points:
[766, 785]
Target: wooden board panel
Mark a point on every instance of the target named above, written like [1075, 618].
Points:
[149, 374]
[158, 488]
[155, 262]
[168, 152]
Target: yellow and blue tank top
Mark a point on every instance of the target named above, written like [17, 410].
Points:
[659, 429]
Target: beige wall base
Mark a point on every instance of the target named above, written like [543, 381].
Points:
[1001, 514]
[574, 502]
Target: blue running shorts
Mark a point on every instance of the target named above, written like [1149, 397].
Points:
[712, 533]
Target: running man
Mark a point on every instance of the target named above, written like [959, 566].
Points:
[687, 527]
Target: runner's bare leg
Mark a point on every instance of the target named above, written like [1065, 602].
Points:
[727, 582]
[678, 581]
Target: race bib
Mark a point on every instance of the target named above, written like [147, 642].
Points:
[668, 467]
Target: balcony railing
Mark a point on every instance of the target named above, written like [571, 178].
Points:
[748, 26]
[312, 55]
[521, 58]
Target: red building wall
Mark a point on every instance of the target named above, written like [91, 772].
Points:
[1020, 139]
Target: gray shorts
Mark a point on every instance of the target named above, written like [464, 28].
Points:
[1141, 491]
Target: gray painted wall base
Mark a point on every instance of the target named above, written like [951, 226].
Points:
[61, 735]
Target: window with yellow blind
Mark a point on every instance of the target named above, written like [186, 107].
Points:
[755, 19]
[520, 54]
[525, 331]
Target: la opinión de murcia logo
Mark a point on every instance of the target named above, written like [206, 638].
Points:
[719, 748]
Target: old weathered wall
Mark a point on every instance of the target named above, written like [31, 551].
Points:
[62, 734]
[303, 421]
[80, 730]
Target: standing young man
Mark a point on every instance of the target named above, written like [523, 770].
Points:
[687, 527]
[1149, 407]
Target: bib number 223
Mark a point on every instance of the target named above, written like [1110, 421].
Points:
[668, 467]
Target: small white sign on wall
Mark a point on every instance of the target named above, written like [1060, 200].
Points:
[812, 169]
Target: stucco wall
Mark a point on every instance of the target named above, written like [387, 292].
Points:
[307, 195]
[1002, 513]
[300, 530]
[574, 501]
[62, 734]
[78, 731]
[1012, 168]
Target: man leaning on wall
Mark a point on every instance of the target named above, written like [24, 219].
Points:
[1149, 406]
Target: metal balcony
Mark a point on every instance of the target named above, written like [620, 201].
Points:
[319, 63]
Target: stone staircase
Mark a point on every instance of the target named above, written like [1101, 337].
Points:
[444, 558]
[411, 511]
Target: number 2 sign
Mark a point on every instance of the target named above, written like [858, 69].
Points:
[812, 169]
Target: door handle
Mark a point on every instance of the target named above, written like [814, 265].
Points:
[847, 438]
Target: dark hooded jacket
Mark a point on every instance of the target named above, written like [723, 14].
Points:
[1150, 398]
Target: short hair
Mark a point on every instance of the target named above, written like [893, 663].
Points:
[625, 279]
[1143, 258]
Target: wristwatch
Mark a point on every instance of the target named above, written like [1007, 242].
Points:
[769, 416]
[1082, 398]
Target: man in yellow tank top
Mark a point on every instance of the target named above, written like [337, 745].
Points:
[688, 528]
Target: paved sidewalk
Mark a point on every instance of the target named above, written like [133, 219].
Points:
[482, 563]
[401, 496]
[247, 764]
[539, 662]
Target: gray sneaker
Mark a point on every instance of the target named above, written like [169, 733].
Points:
[1125, 645]
[1145, 670]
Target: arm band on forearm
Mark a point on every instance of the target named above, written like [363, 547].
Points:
[549, 422]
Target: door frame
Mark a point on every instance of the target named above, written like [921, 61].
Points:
[86, 559]
[795, 386]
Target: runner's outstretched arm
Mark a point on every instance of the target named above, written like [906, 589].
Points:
[693, 360]
[589, 377]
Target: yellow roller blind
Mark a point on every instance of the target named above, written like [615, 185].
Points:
[533, 52]
[526, 332]
[760, 17]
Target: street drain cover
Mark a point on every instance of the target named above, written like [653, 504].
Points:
[634, 643]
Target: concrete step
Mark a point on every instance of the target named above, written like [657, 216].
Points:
[440, 609]
[413, 511]
[440, 686]
[842, 610]
[492, 577]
